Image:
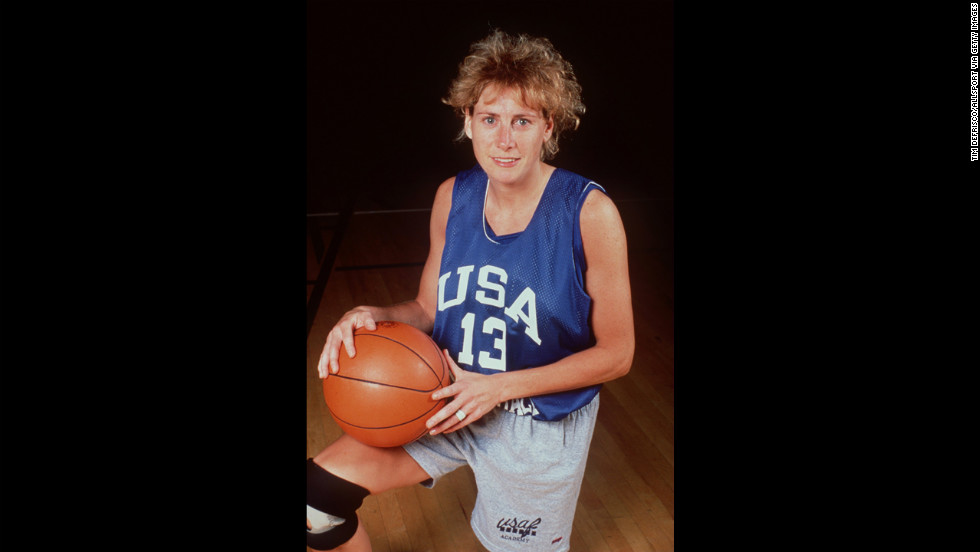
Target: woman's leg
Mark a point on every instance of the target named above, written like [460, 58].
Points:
[360, 542]
[375, 469]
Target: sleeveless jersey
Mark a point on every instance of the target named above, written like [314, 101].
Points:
[518, 301]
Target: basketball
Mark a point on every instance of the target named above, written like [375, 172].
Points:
[383, 396]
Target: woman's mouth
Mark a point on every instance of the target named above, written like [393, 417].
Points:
[505, 161]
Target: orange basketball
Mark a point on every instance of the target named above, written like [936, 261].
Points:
[383, 396]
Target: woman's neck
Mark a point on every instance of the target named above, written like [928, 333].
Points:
[515, 195]
[510, 206]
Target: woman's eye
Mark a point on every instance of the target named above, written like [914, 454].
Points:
[523, 122]
[489, 120]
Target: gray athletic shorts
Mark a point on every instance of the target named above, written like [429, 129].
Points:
[528, 474]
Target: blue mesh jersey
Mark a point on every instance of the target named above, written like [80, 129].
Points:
[517, 301]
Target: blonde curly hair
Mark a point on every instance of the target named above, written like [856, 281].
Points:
[530, 64]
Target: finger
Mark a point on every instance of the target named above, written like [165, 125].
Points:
[334, 364]
[452, 423]
[324, 362]
[439, 417]
[447, 426]
[322, 367]
[347, 336]
[450, 418]
[445, 392]
[332, 350]
[364, 320]
[454, 369]
[455, 372]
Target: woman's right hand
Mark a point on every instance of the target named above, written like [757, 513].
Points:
[343, 334]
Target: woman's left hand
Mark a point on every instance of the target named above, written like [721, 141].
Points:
[473, 395]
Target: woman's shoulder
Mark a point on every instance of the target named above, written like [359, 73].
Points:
[472, 176]
[470, 182]
[574, 181]
[599, 213]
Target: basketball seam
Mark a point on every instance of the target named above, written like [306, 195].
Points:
[442, 362]
[339, 419]
[422, 358]
[438, 384]
[385, 384]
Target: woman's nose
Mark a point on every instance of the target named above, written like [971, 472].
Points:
[504, 137]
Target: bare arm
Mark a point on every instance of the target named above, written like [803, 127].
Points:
[607, 282]
[419, 312]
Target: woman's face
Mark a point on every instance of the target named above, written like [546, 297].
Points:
[507, 135]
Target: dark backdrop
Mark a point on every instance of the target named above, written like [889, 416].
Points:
[152, 257]
[378, 136]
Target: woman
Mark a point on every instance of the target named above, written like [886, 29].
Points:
[526, 288]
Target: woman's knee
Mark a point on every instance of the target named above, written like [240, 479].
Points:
[341, 477]
[376, 469]
[331, 508]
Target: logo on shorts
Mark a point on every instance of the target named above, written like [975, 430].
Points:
[521, 407]
[518, 529]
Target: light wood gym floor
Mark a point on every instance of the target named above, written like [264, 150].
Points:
[374, 256]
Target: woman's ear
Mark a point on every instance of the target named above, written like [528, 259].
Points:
[468, 123]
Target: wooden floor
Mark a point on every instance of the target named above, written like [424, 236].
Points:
[627, 498]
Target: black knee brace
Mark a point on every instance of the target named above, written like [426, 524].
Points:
[333, 502]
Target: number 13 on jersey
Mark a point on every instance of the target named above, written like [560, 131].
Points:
[491, 293]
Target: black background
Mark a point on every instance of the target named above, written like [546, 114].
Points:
[159, 163]
[377, 130]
